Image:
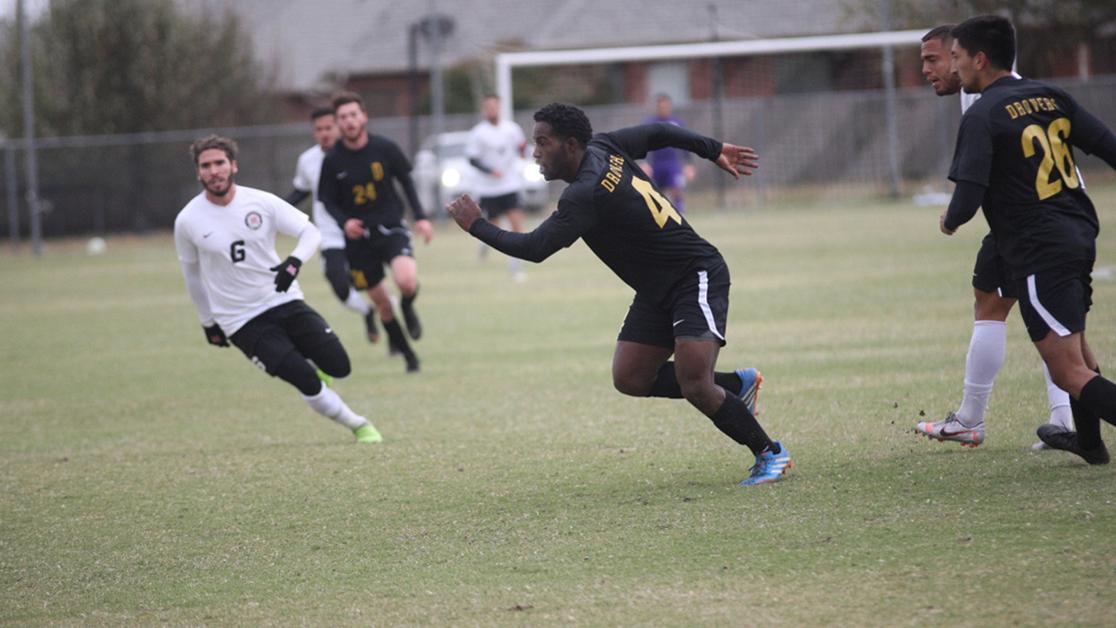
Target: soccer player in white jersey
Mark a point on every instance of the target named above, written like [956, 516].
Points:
[225, 239]
[494, 148]
[307, 171]
[994, 292]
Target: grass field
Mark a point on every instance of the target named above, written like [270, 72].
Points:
[149, 478]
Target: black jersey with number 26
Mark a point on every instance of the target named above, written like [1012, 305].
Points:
[1018, 141]
[629, 224]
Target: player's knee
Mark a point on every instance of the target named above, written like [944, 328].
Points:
[338, 280]
[990, 306]
[296, 371]
[333, 360]
[629, 384]
[699, 391]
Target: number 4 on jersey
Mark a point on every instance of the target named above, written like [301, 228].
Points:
[660, 207]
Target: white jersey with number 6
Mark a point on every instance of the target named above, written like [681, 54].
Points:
[307, 171]
[234, 246]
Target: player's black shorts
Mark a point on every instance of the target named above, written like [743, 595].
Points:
[496, 206]
[368, 255]
[1056, 300]
[696, 309]
[991, 272]
[269, 337]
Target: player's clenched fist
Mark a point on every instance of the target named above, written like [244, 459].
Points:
[286, 272]
[738, 160]
[465, 211]
[215, 336]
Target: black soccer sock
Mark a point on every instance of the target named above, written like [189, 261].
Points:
[1099, 396]
[738, 424]
[1087, 424]
[407, 301]
[397, 337]
[666, 383]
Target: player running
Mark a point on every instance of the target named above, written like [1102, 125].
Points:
[681, 281]
[307, 169]
[1014, 157]
[356, 189]
[225, 239]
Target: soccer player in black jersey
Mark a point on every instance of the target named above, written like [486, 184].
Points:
[681, 281]
[994, 297]
[356, 188]
[1014, 157]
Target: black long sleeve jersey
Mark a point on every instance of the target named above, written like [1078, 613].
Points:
[628, 223]
[358, 183]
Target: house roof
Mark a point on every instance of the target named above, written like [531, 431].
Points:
[309, 42]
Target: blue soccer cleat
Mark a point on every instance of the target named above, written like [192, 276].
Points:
[751, 381]
[769, 466]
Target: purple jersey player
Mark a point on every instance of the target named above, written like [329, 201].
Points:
[669, 168]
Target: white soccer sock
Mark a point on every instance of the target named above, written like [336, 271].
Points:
[986, 356]
[356, 303]
[514, 265]
[1060, 411]
[329, 404]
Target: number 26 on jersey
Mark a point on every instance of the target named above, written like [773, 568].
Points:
[1055, 155]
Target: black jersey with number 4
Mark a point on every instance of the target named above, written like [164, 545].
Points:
[1017, 141]
[628, 223]
[359, 183]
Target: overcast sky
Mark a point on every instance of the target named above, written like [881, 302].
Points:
[33, 7]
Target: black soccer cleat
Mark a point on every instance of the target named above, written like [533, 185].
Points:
[1059, 437]
[412, 361]
[414, 325]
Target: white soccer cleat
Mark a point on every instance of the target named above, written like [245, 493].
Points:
[952, 429]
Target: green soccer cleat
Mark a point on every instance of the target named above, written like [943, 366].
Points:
[325, 377]
[367, 434]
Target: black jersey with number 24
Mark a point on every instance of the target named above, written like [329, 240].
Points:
[1018, 141]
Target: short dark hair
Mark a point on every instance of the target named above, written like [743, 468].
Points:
[345, 98]
[566, 121]
[939, 32]
[209, 142]
[491, 95]
[991, 34]
[320, 112]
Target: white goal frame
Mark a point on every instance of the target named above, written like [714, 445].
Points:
[506, 62]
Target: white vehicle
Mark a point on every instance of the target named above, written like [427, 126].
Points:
[443, 176]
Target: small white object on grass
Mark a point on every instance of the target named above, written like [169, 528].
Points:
[95, 246]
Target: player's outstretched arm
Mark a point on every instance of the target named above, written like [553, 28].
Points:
[556, 232]
[738, 160]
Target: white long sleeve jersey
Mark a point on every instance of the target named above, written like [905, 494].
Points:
[234, 248]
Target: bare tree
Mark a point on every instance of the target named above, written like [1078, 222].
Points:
[116, 66]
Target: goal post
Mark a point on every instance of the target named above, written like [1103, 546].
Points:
[506, 62]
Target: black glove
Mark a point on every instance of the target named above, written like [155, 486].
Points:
[215, 336]
[286, 273]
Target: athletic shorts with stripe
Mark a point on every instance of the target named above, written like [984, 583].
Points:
[1056, 300]
[991, 272]
[696, 309]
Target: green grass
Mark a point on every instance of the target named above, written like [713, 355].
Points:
[146, 477]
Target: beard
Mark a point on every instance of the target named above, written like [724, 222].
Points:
[215, 191]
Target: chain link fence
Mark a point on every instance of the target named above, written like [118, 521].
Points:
[813, 147]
